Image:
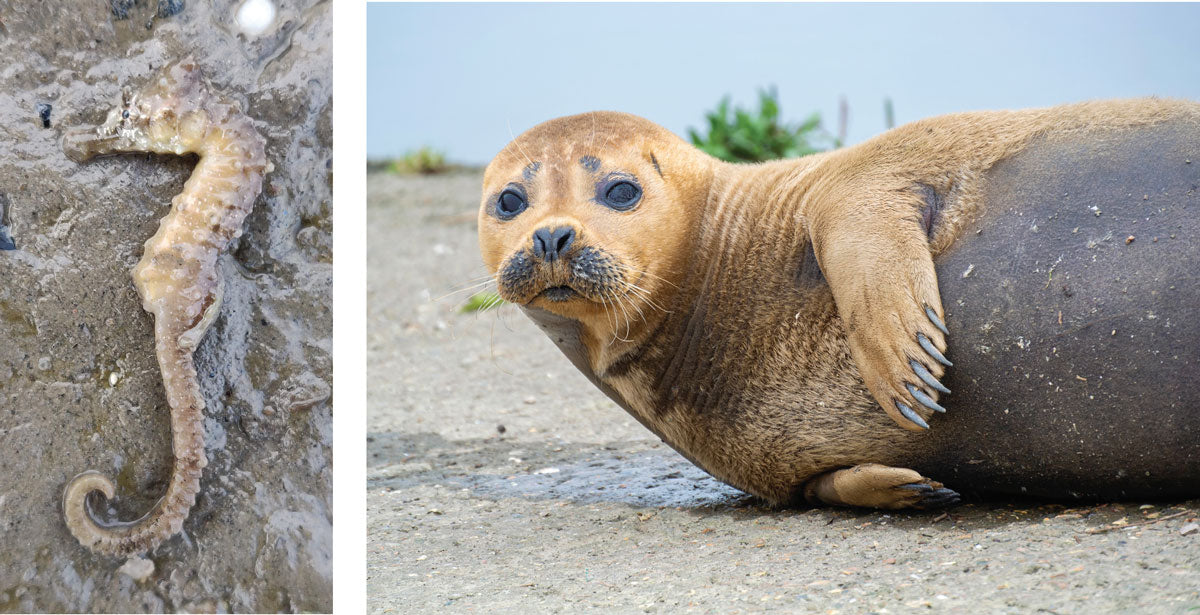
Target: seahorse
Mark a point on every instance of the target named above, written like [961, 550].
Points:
[177, 278]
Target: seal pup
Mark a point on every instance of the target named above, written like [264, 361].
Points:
[756, 317]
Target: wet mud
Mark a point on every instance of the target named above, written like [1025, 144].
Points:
[79, 383]
[500, 480]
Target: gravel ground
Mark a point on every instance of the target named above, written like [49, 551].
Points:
[500, 480]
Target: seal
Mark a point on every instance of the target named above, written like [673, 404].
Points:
[758, 317]
[177, 278]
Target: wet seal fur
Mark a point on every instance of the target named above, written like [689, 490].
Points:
[177, 278]
[757, 317]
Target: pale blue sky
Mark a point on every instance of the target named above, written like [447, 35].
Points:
[458, 76]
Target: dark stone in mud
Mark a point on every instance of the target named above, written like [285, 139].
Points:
[80, 387]
[120, 8]
[167, 8]
[44, 110]
[6, 240]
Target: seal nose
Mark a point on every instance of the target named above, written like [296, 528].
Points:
[550, 244]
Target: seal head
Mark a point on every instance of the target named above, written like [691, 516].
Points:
[584, 217]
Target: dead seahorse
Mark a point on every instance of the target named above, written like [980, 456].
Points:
[177, 277]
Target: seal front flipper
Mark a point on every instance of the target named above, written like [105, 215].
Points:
[873, 250]
[871, 485]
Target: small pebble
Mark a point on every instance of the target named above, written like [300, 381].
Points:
[137, 568]
[1129, 240]
[1190, 528]
[501, 429]
[44, 363]
[530, 400]
[44, 110]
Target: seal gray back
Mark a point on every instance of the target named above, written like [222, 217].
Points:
[1073, 303]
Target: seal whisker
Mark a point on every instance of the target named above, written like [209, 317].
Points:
[642, 272]
[645, 296]
[642, 293]
[608, 313]
[469, 285]
[592, 141]
[635, 306]
[614, 323]
[473, 286]
[491, 303]
[628, 321]
[517, 143]
[645, 299]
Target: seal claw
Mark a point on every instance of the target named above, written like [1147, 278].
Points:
[937, 322]
[925, 400]
[933, 352]
[932, 497]
[926, 377]
[911, 415]
[939, 498]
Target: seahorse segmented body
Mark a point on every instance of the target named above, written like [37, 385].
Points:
[177, 277]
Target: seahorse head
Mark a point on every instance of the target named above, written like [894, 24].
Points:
[167, 117]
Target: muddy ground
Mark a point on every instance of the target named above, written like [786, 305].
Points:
[500, 480]
[79, 384]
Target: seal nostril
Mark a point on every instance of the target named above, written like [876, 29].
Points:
[562, 239]
[541, 241]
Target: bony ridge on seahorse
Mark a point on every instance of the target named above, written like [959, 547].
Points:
[177, 277]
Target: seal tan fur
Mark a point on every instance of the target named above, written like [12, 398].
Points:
[738, 311]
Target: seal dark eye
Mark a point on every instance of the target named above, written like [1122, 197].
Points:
[622, 195]
[510, 204]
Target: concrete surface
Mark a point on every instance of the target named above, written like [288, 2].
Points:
[79, 385]
[574, 507]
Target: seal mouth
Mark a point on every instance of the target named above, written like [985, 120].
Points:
[558, 294]
[588, 275]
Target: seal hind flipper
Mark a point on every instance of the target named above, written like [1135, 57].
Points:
[872, 485]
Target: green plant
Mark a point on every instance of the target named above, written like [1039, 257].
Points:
[425, 161]
[750, 136]
[478, 302]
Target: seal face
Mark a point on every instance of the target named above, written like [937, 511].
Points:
[562, 216]
[758, 317]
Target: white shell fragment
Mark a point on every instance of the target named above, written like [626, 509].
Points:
[255, 16]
